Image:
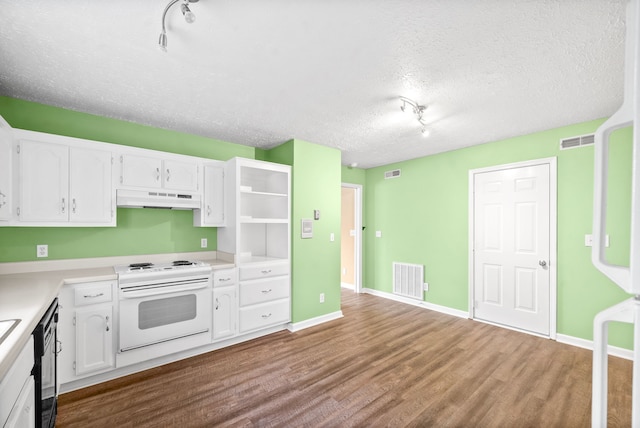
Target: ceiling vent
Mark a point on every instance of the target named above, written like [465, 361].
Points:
[573, 142]
[394, 173]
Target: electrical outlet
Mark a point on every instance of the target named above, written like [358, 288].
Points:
[378, 234]
[42, 251]
[203, 243]
[332, 237]
[426, 286]
[321, 297]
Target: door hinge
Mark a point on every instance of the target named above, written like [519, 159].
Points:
[18, 148]
[111, 160]
[74, 365]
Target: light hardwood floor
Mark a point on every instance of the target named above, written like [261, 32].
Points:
[383, 364]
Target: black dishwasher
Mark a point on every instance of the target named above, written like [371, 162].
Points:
[45, 368]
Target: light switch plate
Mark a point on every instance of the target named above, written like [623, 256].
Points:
[203, 243]
[378, 234]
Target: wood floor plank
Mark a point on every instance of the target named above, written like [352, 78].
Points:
[383, 364]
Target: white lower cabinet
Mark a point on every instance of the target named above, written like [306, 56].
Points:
[225, 312]
[23, 414]
[225, 304]
[17, 393]
[264, 295]
[86, 330]
[94, 339]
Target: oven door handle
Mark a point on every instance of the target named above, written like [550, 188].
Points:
[135, 294]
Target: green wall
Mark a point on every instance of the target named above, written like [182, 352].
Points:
[423, 216]
[353, 175]
[138, 231]
[316, 176]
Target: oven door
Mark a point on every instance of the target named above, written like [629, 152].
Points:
[148, 318]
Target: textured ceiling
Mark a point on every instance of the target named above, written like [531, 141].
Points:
[260, 72]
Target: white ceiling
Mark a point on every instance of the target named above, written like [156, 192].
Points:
[260, 72]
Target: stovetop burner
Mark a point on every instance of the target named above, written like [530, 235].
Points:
[157, 268]
[140, 265]
[183, 263]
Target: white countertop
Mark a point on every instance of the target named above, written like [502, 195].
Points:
[27, 295]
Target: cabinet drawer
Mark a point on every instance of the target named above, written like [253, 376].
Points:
[264, 315]
[95, 292]
[264, 270]
[264, 290]
[224, 277]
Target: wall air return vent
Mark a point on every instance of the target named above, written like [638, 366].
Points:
[573, 142]
[395, 173]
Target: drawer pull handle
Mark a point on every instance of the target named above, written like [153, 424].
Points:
[91, 296]
[107, 321]
[266, 271]
[224, 279]
[266, 315]
[266, 291]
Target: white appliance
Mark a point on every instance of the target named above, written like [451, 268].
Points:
[160, 303]
[157, 199]
[627, 278]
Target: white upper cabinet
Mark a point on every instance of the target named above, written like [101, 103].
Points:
[90, 186]
[43, 181]
[6, 144]
[140, 171]
[212, 212]
[148, 171]
[180, 175]
[62, 181]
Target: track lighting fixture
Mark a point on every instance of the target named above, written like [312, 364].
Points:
[188, 16]
[418, 111]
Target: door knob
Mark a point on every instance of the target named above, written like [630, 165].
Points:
[542, 263]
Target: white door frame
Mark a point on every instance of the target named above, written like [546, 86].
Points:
[553, 221]
[358, 240]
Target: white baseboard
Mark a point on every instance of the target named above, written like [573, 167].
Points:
[422, 304]
[347, 286]
[314, 321]
[616, 351]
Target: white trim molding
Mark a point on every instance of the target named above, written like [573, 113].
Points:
[421, 304]
[616, 351]
[293, 327]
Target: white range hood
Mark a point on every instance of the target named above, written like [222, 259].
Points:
[157, 199]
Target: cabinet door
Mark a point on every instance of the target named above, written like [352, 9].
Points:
[179, 175]
[94, 339]
[225, 312]
[6, 142]
[141, 171]
[23, 413]
[90, 186]
[43, 181]
[213, 195]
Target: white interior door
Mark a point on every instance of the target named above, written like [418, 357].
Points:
[512, 247]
